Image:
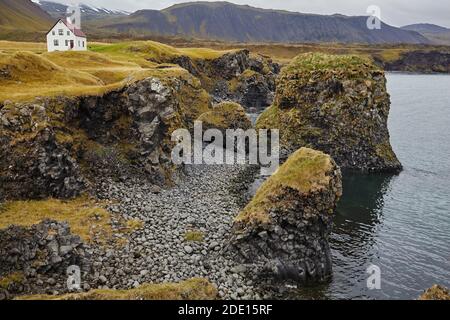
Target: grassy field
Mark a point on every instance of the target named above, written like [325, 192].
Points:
[27, 71]
[284, 52]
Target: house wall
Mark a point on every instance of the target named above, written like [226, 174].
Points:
[64, 39]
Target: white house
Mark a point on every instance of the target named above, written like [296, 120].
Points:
[64, 37]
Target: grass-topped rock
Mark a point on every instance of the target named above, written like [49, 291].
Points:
[436, 293]
[226, 115]
[336, 104]
[283, 232]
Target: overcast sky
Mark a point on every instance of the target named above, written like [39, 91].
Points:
[394, 12]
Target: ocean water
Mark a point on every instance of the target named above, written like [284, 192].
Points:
[399, 223]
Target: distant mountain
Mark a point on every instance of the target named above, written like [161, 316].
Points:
[436, 34]
[426, 28]
[230, 22]
[58, 10]
[22, 16]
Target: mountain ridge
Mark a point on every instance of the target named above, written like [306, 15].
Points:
[242, 23]
[23, 15]
[426, 28]
[88, 12]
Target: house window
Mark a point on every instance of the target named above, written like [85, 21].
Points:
[56, 43]
[61, 32]
[53, 32]
[68, 33]
[83, 44]
[67, 43]
[79, 44]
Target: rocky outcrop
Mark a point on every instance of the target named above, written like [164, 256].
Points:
[435, 293]
[283, 232]
[418, 61]
[43, 252]
[225, 115]
[37, 165]
[336, 104]
[236, 76]
[56, 147]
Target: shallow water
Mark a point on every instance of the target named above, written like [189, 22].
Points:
[399, 223]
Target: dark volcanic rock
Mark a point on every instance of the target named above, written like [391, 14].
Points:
[419, 61]
[59, 146]
[236, 76]
[46, 249]
[34, 165]
[283, 232]
[336, 104]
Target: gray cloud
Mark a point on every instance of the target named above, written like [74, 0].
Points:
[394, 12]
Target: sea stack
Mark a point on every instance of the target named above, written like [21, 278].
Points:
[283, 232]
[335, 104]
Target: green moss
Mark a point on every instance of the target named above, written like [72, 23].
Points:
[225, 115]
[384, 151]
[13, 278]
[194, 289]
[194, 236]
[321, 61]
[294, 128]
[306, 171]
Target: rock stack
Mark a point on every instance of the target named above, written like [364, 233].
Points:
[283, 232]
[336, 104]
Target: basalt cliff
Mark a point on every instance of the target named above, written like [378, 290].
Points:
[57, 147]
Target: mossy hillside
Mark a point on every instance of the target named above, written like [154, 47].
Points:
[144, 52]
[193, 289]
[336, 104]
[27, 75]
[225, 115]
[305, 172]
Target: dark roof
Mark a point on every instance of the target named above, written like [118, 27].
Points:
[75, 31]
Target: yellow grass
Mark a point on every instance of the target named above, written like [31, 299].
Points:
[13, 46]
[25, 75]
[305, 171]
[86, 218]
[194, 289]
